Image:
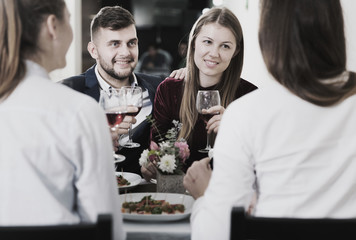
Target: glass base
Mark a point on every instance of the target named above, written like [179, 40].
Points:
[131, 145]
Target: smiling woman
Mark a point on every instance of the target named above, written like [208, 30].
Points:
[214, 62]
[214, 48]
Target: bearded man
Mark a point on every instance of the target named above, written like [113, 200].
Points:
[114, 46]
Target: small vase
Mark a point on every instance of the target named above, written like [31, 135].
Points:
[170, 183]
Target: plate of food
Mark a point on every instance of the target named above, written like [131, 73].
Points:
[126, 180]
[156, 206]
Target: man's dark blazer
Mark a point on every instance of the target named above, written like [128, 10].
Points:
[88, 84]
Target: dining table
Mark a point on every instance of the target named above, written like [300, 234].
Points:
[155, 230]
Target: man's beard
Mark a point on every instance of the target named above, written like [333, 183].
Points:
[111, 71]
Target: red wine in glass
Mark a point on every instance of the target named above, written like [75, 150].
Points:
[115, 118]
[134, 114]
[206, 117]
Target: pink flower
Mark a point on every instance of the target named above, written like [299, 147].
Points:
[154, 146]
[184, 151]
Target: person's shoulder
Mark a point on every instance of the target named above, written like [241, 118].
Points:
[74, 82]
[170, 90]
[76, 107]
[67, 101]
[149, 79]
[172, 82]
[77, 82]
[71, 95]
[82, 76]
[73, 78]
[247, 85]
[267, 95]
[170, 86]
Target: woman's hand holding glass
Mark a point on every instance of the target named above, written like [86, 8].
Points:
[213, 124]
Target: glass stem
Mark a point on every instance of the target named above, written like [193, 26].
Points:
[207, 141]
[130, 134]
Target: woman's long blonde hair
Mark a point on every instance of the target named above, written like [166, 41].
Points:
[10, 37]
[19, 36]
[230, 79]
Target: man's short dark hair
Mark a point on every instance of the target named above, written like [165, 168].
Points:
[114, 18]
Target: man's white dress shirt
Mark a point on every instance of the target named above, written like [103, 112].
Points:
[301, 157]
[56, 163]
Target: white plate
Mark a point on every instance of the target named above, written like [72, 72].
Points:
[133, 178]
[172, 198]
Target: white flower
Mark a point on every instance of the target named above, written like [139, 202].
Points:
[175, 122]
[167, 163]
[143, 159]
[164, 145]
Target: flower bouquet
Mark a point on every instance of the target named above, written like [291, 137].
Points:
[168, 156]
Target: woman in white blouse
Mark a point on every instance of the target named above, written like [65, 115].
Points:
[56, 162]
[292, 142]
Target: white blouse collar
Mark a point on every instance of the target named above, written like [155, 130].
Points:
[33, 68]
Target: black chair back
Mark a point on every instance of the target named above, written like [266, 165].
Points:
[101, 230]
[244, 226]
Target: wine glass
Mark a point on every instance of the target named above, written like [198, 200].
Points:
[205, 100]
[134, 101]
[115, 107]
